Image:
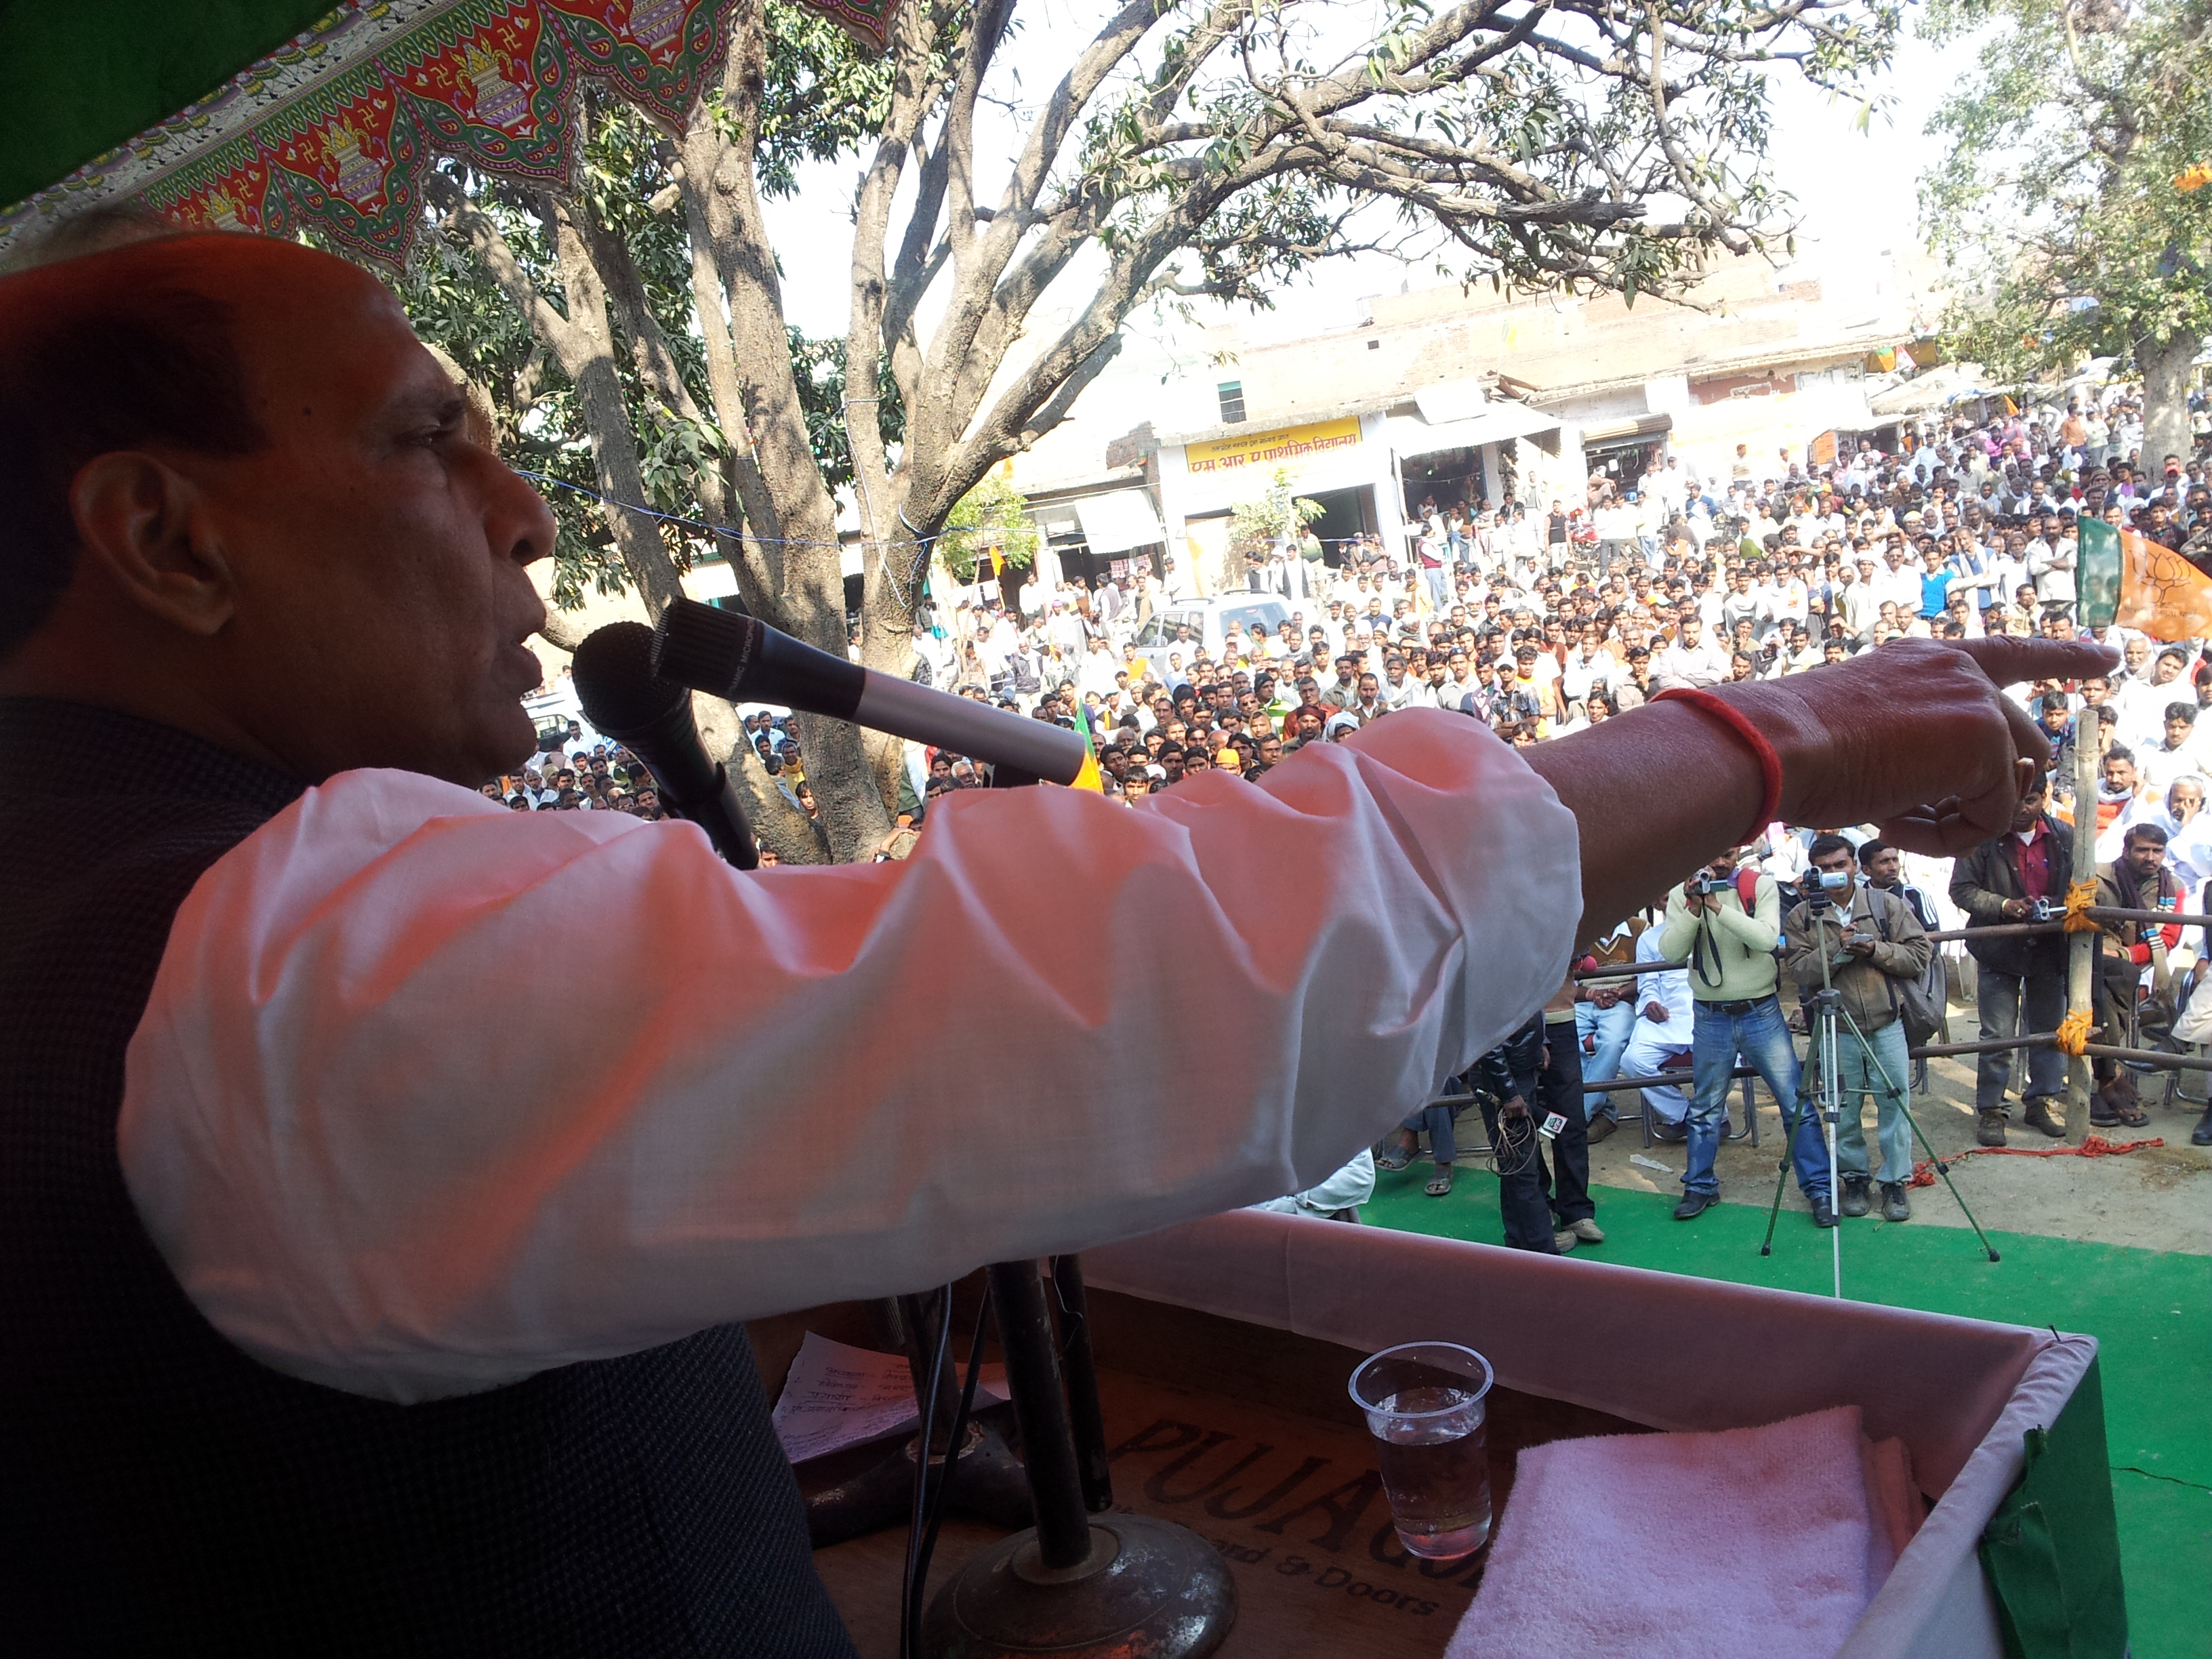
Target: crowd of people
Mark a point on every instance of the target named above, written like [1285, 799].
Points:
[1540, 622]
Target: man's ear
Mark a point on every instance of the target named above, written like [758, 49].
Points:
[140, 521]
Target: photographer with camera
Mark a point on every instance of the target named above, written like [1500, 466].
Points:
[2017, 876]
[1727, 921]
[1872, 945]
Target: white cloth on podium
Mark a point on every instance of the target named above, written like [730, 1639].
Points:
[1758, 1543]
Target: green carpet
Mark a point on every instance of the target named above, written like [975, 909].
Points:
[2151, 1313]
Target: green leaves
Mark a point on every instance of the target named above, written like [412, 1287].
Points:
[2056, 201]
[992, 518]
[1278, 514]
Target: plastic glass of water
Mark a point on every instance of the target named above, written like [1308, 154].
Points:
[1427, 1404]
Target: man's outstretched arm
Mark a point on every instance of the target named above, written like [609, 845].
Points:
[1915, 738]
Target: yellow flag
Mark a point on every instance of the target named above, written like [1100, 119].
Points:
[1088, 778]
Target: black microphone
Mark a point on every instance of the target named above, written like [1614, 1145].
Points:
[623, 698]
[741, 657]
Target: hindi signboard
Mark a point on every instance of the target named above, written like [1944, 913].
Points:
[1283, 444]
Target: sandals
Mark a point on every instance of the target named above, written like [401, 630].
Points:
[1440, 1182]
[1395, 1156]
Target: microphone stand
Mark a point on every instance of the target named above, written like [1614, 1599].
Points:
[988, 1483]
[627, 699]
[1074, 1586]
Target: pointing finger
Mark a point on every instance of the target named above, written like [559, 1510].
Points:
[2008, 662]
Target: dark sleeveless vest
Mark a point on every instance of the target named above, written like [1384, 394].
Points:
[162, 1493]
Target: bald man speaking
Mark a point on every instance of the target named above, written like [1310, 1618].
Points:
[340, 1311]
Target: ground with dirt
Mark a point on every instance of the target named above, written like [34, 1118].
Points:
[2158, 1198]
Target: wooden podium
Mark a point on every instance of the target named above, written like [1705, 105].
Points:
[1246, 1435]
[1224, 1348]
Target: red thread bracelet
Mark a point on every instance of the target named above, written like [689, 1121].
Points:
[1770, 764]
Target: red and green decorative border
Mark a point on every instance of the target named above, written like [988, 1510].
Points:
[334, 130]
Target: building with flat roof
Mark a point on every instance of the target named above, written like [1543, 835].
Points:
[1446, 395]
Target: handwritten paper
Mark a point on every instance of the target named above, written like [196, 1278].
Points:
[838, 1396]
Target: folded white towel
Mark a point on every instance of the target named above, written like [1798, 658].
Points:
[1747, 1544]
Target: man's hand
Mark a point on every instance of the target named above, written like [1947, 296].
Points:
[1655, 1013]
[1915, 738]
[1514, 1107]
[2016, 909]
[1856, 946]
[1694, 902]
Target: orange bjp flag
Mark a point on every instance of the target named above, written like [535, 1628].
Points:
[2161, 593]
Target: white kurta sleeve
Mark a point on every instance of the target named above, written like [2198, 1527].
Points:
[430, 1096]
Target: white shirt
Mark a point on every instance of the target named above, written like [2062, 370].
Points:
[1703, 664]
[1670, 990]
[2053, 570]
[2160, 766]
[346, 1133]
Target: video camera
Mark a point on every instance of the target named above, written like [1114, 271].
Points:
[1705, 884]
[1819, 887]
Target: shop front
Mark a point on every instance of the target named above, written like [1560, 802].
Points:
[1624, 451]
[1339, 464]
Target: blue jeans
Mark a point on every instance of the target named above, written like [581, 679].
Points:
[1762, 1037]
[1437, 1121]
[1612, 1027]
[1858, 1075]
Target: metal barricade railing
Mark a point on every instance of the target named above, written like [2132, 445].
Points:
[2198, 1061]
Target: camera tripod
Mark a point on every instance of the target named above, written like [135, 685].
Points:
[1827, 1018]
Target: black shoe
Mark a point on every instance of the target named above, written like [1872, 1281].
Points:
[2202, 1134]
[1823, 1214]
[1893, 1207]
[1855, 1201]
[1671, 1134]
[1694, 1205]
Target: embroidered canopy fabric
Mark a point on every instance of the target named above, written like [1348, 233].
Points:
[334, 117]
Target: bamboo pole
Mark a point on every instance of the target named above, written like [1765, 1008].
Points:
[2081, 948]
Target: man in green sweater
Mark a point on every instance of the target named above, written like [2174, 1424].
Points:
[1730, 945]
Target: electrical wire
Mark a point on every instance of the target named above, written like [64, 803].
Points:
[937, 1500]
[1517, 1142]
[910, 1588]
[704, 528]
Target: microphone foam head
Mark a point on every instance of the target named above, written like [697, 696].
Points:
[704, 646]
[616, 684]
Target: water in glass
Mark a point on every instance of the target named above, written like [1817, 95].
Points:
[1434, 1449]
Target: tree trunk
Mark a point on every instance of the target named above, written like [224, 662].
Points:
[891, 590]
[587, 356]
[778, 820]
[727, 227]
[2165, 365]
